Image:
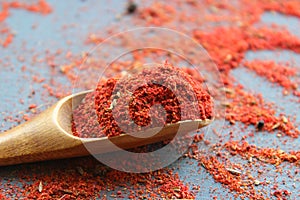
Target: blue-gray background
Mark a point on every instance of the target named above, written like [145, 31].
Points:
[79, 19]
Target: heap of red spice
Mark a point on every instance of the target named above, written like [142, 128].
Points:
[227, 44]
[166, 85]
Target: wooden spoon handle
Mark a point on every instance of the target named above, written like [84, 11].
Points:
[38, 139]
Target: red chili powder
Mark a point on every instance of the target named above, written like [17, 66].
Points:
[229, 174]
[250, 109]
[158, 14]
[91, 180]
[8, 40]
[116, 107]
[228, 52]
[268, 155]
[275, 73]
[235, 22]
[41, 6]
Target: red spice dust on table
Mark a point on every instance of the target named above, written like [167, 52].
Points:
[158, 83]
[88, 179]
[269, 155]
[41, 6]
[239, 35]
[276, 73]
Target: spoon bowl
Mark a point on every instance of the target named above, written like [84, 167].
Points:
[48, 136]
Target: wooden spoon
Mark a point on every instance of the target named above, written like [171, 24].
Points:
[48, 136]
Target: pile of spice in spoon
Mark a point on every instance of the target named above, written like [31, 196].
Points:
[148, 97]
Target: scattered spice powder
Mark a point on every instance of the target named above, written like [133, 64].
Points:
[41, 6]
[228, 52]
[8, 40]
[275, 73]
[99, 181]
[32, 106]
[251, 109]
[239, 34]
[158, 13]
[231, 178]
[268, 155]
